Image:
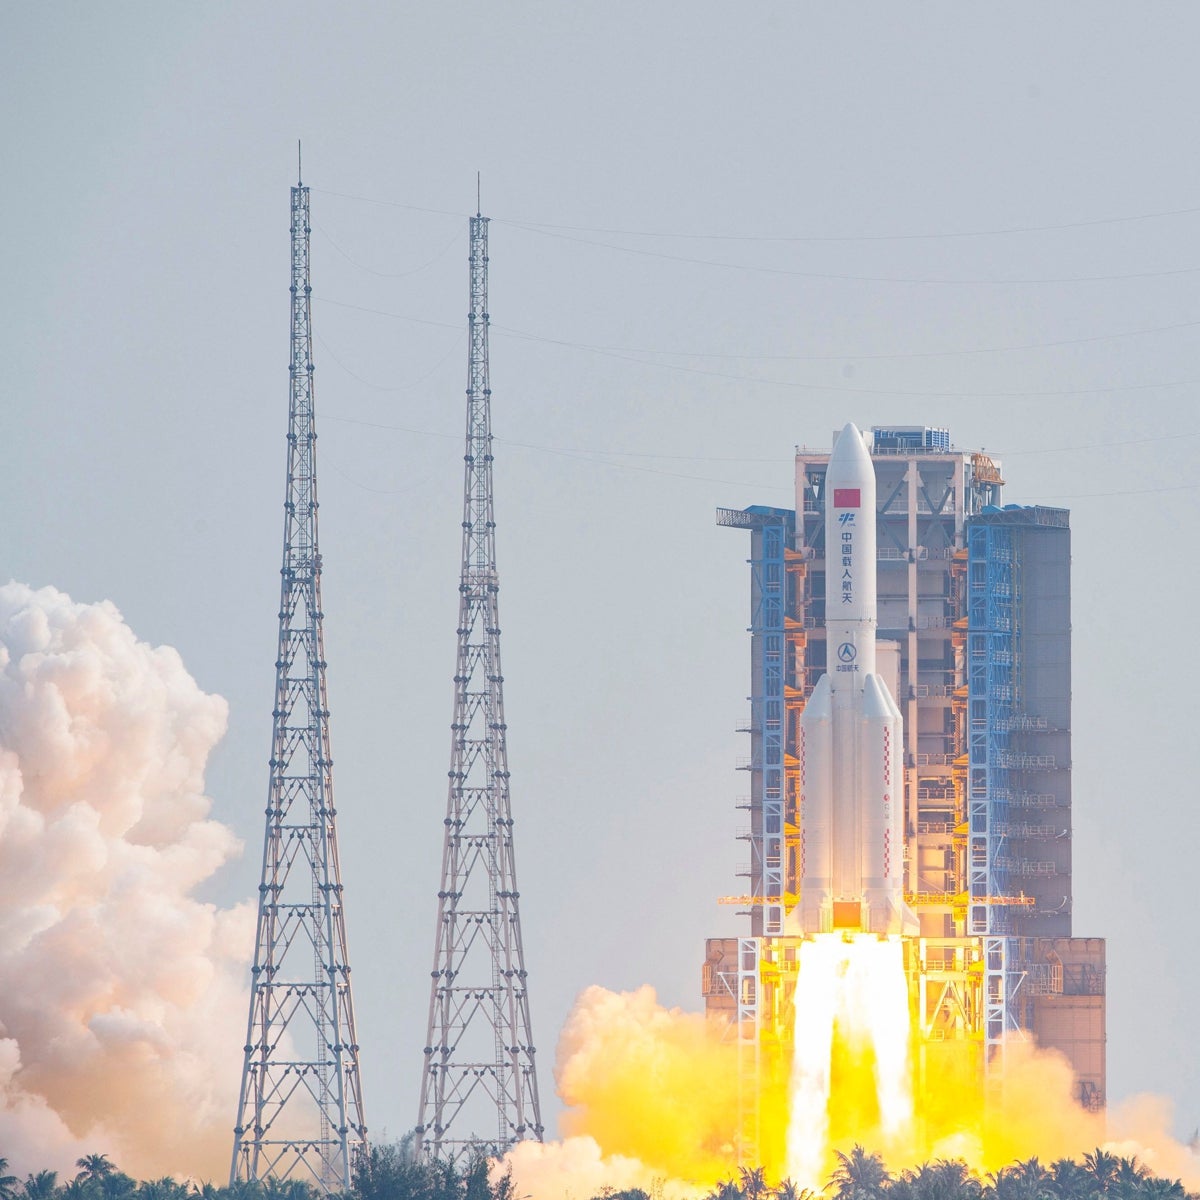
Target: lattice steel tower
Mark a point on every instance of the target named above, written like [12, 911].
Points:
[300, 1114]
[479, 1054]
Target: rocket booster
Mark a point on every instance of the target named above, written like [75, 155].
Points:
[851, 733]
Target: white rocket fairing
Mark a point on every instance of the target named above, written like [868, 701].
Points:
[851, 865]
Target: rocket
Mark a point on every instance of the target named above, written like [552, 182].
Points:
[851, 854]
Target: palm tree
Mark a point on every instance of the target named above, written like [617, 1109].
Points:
[1130, 1175]
[8, 1183]
[789, 1189]
[119, 1186]
[1029, 1180]
[41, 1186]
[945, 1179]
[859, 1176]
[1068, 1180]
[286, 1189]
[246, 1189]
[165, 1188]
[1154, 1188]
[753, 1182]
[94, 1168]
[725, 1190]
[1102, 1168]
[1033, 1175]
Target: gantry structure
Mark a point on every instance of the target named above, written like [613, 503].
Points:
[479, 1084]
[974, 620]
[300, 1111]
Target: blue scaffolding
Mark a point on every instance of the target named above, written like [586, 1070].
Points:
[992, 614]
[772, 533]
[990, 695]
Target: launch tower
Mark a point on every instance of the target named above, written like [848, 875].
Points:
[479, 1084]
[973, 611]
[300, 1112]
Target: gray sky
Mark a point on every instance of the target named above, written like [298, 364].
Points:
[719, 230]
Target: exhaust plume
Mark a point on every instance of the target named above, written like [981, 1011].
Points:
[651, 1096]
[121, 994]
[652, 1100]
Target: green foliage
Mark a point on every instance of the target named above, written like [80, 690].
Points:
[161, 1189]
[753, 1182]
[208, 1191]
[286, 1189]
[789, 1189]
[42, 1186]
[1067, 1179]
[1162, 1189]
[94, 1168]
[1027, 1180]
[394, 1172]
[8, 1183]
[859, 1176]
[726, 1190]
[1101, 1167]
[945, 1179]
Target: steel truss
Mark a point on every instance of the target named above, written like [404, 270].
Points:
[300, 1112]
[479, 1052]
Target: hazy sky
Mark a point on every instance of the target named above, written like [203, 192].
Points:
[718, 231]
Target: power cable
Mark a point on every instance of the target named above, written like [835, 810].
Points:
[957, 394]
[851, 356]
[1001, 231]
[383, 274]
[848, 278]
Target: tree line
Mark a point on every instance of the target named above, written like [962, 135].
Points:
[391, 1172]
[860, 1175]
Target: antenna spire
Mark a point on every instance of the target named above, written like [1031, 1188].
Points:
[299, 164]
[478, 192]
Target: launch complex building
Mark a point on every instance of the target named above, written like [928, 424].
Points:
[973, 608]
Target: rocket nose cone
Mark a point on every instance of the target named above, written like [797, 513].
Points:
[850, 457]
[849, 446]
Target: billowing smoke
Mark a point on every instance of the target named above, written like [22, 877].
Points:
[648, 1083]
[121, 994]
[651, 1097]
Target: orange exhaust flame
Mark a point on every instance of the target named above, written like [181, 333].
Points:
[651, 1095]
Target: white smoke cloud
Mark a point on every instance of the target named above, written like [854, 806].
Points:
[121, 995]
[575, 1167]
[651, 1103]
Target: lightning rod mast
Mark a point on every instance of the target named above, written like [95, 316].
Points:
[300, 1112]
[479, 1053]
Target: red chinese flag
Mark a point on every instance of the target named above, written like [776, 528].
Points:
[846, 497]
